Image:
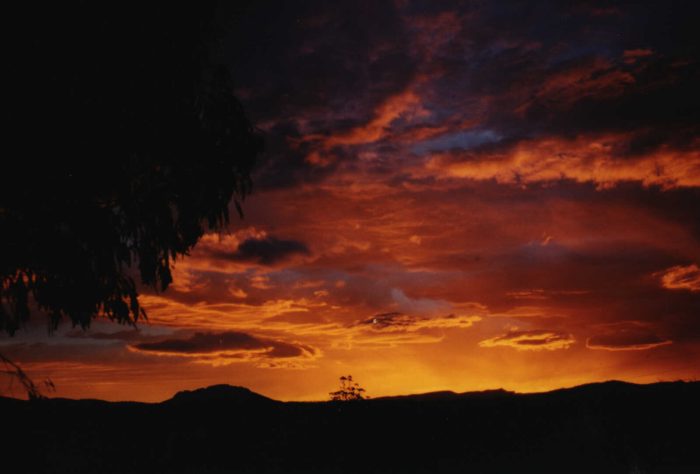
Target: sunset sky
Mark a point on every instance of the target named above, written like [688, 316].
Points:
[454, 196]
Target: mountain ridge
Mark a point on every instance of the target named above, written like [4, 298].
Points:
[604, 427]
[240, 394]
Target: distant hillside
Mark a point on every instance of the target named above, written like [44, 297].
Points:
[449, 395]
[219, 393]
[611, 427]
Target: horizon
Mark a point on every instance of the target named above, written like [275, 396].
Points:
[47, 395]
[452, 197]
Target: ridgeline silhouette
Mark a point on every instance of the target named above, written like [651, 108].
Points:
[611, 427]
[130, 145]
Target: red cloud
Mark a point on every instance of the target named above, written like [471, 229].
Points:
[681, 278]
[630, 56]
[596, 78]
[394, 107]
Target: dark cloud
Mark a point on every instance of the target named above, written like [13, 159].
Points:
[596, 91]
[395, 321]
[284, 163]
[71, 352]
[384, 320]
[127, 335]
[521, 71]
[314, 56]
[263, 250]
[526, 70]
[626, 336]
[202, 343]
[312, 67]
[268, 250]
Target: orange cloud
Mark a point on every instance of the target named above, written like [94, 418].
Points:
[406, 104]
[531, 340]
[394, 107]
[583, 159]
[681, 278]
[168, 312]
[185, 279]
[538, 294]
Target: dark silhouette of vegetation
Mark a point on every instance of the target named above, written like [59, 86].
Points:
[130, 145]
[15, 373]
[349, 390]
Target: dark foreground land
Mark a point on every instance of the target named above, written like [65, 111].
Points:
[608, 427]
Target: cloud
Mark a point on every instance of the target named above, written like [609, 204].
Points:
[599, 159]
[631, 56]
[327, 73]
[418, 305]
[128, 335]
[187, 280]
[204, 342]
[222, 316]
[395, 321]
[462, 140]
[592, 78]
[531, 340]
[626, 336]
[393, 108]
[268, 250]
[222, 346]
[233, 252]
[538, 161]
[681, 278]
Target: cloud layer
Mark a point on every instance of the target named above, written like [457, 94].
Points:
[453, 196]
[531, 340]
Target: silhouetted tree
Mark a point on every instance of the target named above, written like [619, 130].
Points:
[129, 146]
[349, 390]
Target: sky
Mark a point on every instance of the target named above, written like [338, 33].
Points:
[454, 196]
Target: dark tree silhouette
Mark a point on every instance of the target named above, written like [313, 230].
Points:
[129, 146]
[349, 390]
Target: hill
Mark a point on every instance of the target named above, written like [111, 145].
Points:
[219, 394]
[606, 427]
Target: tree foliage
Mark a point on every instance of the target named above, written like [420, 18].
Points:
[349, 390]
[130, 147]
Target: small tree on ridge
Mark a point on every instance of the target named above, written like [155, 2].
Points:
[349, 390]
